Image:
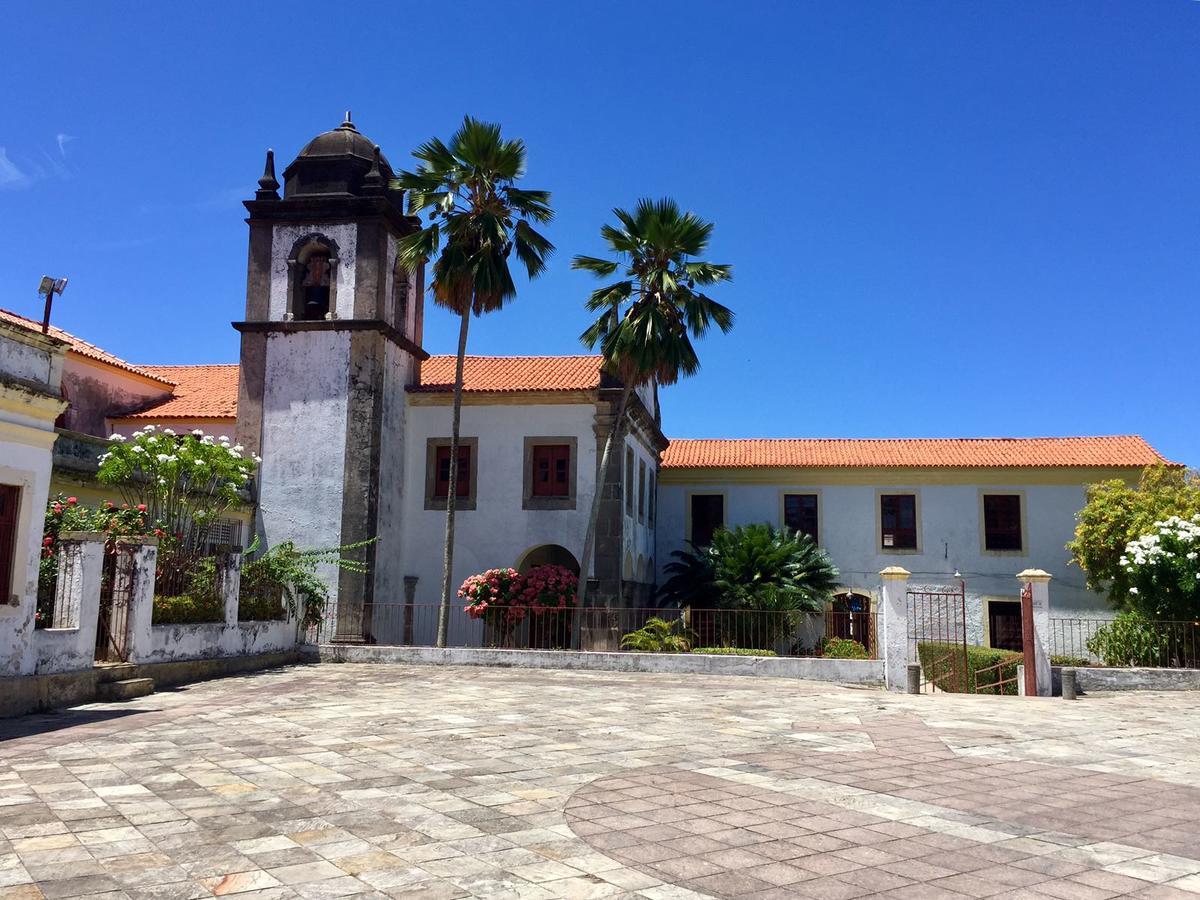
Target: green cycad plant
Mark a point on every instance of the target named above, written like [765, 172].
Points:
[649, 316]
[766, 578]
[477, 218]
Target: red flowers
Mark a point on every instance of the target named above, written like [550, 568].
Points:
[71, 501]
[515, 596]
[141, 507]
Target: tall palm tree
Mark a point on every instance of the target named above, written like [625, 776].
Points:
[477, 218]
[647, 318]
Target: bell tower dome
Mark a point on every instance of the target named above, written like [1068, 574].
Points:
[331, 336]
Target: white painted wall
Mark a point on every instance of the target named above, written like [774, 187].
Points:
[26, 440]
[949, 524]
[282, 240]
[638, 536]
[303, 441]
[498, 532]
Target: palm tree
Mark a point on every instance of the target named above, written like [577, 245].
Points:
[477, 218]
[647, 319]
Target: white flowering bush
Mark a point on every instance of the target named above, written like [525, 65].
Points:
[1163, 570]
[182, 482]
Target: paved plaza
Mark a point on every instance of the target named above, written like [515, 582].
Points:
[399, 781]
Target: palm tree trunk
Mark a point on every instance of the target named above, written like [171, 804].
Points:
[589, 539]
[452, 484]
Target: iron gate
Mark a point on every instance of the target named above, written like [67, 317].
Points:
[937, 636]
[116, 596]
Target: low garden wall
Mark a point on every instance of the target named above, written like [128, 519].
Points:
[1096, 678]
[182, 642]
[839, 671]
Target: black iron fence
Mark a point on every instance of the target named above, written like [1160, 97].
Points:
[782, 633]
[1125, 641]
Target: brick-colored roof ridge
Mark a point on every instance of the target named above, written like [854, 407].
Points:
[491, 374]
[203, 391]
[1031, 452]
[80, 346]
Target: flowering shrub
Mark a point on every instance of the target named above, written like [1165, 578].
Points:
[183, 483]
[504, 598]
[547, 588]
[1163, 570]
[491, 592]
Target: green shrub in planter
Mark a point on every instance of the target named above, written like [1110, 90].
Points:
[732, 651]
[188, 610]
[943, 664]
[843, 648]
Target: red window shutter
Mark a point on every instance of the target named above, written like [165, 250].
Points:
[8, 536]
[551, 470]
[441, 477]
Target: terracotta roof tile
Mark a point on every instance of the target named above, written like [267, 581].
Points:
[1122, 450]
[201, 392]
[77, 345]
[486, 374]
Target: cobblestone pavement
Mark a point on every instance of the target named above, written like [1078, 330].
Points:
[398, 781]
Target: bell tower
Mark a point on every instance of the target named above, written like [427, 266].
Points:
[331, 337]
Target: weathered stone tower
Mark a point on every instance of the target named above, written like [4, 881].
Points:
[332, 336]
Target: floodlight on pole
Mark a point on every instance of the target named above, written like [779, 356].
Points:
[50, 287]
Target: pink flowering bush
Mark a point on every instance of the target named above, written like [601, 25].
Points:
[504, 598]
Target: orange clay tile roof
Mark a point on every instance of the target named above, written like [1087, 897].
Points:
[487, 374]
[82, 347]
[201, 392]
[1122, 450]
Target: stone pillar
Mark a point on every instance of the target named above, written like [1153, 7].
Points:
[229, 583]
[1039, 580]
[135, 573]
[80, 569]
[894, 645]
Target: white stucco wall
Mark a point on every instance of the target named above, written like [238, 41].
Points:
[303, 440]
[498, 532]
[949, 525]
[282, 240]
[638, 535]
[25, 361]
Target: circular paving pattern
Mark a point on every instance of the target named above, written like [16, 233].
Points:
[904, 814]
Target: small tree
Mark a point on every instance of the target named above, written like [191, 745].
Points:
[478, 218]
[181, 483]
[1116, 514]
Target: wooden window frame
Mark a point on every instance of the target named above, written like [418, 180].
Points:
[689, 525]
[1022, 536]
[880, 545]
[568, 501]
[816, 495]
[434, 502]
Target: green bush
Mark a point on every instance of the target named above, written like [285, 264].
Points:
[1059, 659]
[943, 665]
[732, 651]
[659, 636]
[843, 648]
[188, 610]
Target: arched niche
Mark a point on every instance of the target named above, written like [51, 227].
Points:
[313, 278]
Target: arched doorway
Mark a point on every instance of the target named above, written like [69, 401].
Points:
[548, 630]
[849, 617]
[548, 555]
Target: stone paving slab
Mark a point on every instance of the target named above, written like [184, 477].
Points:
[395, 781]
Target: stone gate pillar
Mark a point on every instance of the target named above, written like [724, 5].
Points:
[136, 573]
[229, 583]
[894, 643]
[1039, 582]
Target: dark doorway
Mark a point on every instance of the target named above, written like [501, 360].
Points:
[1004, 624]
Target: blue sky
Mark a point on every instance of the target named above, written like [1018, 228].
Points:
[945, 218]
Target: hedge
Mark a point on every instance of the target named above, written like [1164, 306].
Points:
[843, 648]
[187, 610]
[732, 651]
[942, 664]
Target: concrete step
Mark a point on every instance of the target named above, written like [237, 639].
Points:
[125, 689]
[107, 673]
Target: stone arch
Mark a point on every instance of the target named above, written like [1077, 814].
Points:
[313, 277]
[547, 555]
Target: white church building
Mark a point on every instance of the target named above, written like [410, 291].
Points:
[351, 415]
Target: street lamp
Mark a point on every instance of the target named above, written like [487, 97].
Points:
[50, 287]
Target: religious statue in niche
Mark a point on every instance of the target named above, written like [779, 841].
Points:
[316, 286]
